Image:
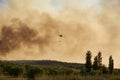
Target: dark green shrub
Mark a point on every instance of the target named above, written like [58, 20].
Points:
[95, 72]
[116, 72]
[6, 68]
[69, 72]
[61, 71]
[15, 71]
[104, 69]
[32, 72]
[53, 72]
[83, 71]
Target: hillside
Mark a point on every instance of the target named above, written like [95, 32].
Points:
[50, 63]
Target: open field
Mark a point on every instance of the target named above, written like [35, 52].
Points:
[72, 77]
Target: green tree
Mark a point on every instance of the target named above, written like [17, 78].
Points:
[111, 65]
[95, 63]
[88, 63]
[99, 60]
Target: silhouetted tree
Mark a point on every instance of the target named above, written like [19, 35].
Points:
[111, 65]
[99, 60]
[88, 63]
[95, 63]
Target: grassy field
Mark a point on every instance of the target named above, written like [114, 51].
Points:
[72, 77]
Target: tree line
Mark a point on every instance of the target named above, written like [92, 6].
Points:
[97, 63]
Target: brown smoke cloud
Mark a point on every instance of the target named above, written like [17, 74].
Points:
[29, 33]
[109, 18]
[12, 37]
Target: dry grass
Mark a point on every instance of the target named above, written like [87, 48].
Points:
[72, 77]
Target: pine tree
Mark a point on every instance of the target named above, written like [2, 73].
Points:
[95, 63]
[88, 63]
[111, 65]
[99, 60]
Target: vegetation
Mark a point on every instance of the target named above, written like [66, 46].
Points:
[32, 72]
[88, 63]
[99, 60]
[97, 66]
[95, 63]
[53, 70]
[111, 65]
[15, 71]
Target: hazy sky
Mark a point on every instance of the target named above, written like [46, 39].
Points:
[3, 3]
[59, 4]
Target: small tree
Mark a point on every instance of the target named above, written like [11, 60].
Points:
[111, 65]
[99, 60]
[88, 63]
[95, 63]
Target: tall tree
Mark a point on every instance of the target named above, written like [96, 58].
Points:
[95, 63]
[99, 60]
[111, 65]
[88, 63]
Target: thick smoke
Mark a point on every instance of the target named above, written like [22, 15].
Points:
[109, 18]
[31, 31]
[12, 37]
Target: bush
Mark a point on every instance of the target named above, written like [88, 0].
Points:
[104, 70]
[6, 68]
[59, 71]
[83, 71]
[15, 71]
[95, 72]
[53, 72]
[116, 72]
[33, 71]
[66, 71]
